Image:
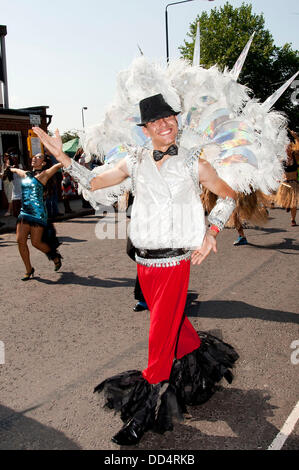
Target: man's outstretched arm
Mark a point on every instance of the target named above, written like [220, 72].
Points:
[209, 178]
[108, 178]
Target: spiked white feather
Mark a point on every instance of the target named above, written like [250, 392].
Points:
[241, 138]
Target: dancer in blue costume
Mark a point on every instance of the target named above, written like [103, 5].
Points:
[33, 218]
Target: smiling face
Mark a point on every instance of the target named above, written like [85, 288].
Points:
[162, 132]
[38, 162]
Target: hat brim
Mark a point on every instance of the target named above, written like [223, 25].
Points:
[160, 116]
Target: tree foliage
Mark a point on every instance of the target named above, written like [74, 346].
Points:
[223, 35]
[69, 135]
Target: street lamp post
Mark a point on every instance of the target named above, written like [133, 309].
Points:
[84, 107]
[3, 69]
[166, 24]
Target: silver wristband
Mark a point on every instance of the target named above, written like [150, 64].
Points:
[80, 174]
[221, 212]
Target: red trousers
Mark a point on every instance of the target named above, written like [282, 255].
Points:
[171, 334]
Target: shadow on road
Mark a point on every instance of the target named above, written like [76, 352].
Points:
[268, 230]
[287, 244]
[18, 432]
[86, 220]
[69, 277]
[231, 419]
[235, 309]
[66, 240]
[4, 243]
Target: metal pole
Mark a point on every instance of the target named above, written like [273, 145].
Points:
[3, 55]
[1, 96]
[166, 25]
[83, 115]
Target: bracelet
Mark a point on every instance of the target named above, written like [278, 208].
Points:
[215, 228]
[221, 212]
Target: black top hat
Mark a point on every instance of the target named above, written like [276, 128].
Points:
[153, 108]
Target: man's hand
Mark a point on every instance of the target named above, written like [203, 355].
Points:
[209, 243]
[53, 144]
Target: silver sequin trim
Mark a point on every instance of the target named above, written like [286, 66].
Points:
[190, 161]
[80, 174]
[133, 158]
[163, 262]
[221, 212]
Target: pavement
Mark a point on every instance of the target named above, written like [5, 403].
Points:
[8, 223]
[64, 332]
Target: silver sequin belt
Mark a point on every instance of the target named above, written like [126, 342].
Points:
[162, 258]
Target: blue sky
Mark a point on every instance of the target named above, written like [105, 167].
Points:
[66, 53]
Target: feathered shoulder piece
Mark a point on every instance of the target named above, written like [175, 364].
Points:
[242, 138]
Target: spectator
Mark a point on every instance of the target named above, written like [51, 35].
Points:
[7, 184]
[1, 184]
[287, 195]
[68, 189]
[81, 158]
[16, 186]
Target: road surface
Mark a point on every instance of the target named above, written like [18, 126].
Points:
[62, 333]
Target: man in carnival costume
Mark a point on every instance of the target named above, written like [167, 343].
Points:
[163, 234]
[167, 227]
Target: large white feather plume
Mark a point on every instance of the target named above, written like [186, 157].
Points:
[242, 139]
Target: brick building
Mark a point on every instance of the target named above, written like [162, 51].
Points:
[14, 127]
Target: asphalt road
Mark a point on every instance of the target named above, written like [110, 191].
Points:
[65, 332]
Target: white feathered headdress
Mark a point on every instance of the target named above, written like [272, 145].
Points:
[243, 139]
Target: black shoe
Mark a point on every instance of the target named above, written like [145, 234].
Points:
[28, 275]
[130, 434]
[139, 307]
[58, 262]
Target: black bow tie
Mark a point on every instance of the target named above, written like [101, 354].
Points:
[158, 155]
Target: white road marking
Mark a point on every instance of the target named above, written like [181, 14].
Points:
[286, 429]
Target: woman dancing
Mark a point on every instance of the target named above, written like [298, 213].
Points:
[33, 219]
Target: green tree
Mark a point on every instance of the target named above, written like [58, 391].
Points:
[223, 35]
[69, 135]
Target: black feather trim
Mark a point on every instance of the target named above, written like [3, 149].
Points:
[192, 381]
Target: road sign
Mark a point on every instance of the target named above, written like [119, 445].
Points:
[35, 119]
[34, 144]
